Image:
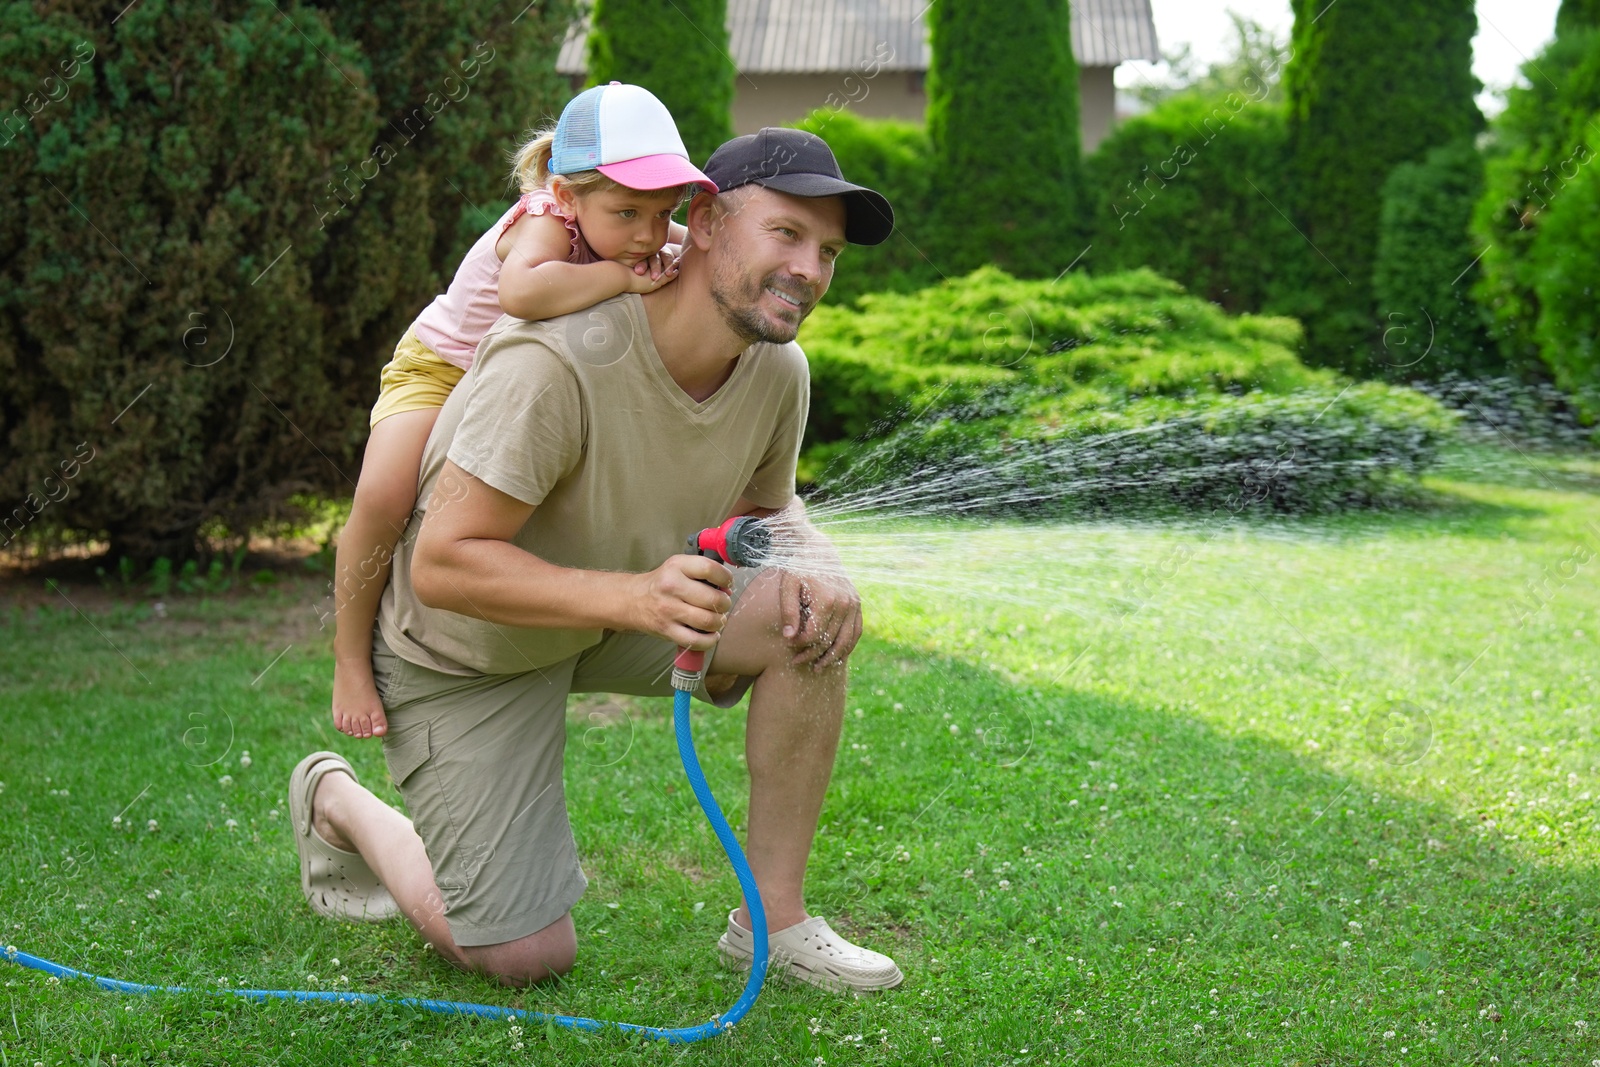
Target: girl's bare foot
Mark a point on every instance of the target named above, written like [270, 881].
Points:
[357, 710]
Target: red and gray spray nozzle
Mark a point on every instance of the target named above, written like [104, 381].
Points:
[742, 541]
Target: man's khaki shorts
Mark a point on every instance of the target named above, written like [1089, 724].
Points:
[479, 760]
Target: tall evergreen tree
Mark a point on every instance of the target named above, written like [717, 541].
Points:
[1372, 83]
[679, 51]
[1007, 184]
[1576, 15]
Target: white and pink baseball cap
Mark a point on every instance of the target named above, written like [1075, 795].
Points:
[628, 135]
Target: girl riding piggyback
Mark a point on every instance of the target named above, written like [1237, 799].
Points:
[593, 222]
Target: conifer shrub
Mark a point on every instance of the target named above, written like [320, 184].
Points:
[1098, 394]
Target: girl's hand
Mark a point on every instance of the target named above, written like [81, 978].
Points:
[652, 272]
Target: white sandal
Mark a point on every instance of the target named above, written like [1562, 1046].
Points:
[812, 952]
[337, 884]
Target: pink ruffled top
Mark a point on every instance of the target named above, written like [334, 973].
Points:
[456, 321]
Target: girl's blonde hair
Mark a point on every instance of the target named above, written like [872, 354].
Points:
[530, 170]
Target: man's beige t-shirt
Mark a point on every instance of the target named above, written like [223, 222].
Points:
[578, 416]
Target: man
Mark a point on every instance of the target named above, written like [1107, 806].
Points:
[572, 460]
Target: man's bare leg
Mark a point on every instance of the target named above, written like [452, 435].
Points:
[347, 815]
[792, 736]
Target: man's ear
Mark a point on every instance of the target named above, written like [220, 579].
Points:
[701, 219]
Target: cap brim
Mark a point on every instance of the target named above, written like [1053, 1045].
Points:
[869, 220]
[656, 172]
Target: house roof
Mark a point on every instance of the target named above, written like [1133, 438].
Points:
[825, 36]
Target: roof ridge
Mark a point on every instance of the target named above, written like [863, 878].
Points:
[839, 36]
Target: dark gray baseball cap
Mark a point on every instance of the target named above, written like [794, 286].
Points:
[801, 164]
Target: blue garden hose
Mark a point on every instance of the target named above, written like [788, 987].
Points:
[673, 1035]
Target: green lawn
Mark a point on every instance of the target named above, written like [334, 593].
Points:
[1217, 792]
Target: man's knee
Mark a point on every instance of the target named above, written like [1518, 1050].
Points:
[753, 641]
[535, 958]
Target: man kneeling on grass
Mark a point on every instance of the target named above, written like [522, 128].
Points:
[576, 456]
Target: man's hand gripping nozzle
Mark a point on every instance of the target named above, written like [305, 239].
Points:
[742, 541]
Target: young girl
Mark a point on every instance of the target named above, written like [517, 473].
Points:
[593, 221]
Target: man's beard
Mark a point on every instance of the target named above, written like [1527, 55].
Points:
[737, 302]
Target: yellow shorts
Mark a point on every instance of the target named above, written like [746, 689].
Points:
[414, 380]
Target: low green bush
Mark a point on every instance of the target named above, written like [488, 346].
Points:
[1095, 394]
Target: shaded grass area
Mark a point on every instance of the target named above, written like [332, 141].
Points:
[1235, 793]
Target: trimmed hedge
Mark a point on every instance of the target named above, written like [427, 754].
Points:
[892, 157]
[1425, 270]
[1373, 83]
[1188, 188]
[218, 225]
[1116, 393]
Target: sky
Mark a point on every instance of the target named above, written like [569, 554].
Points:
[1509, 31]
